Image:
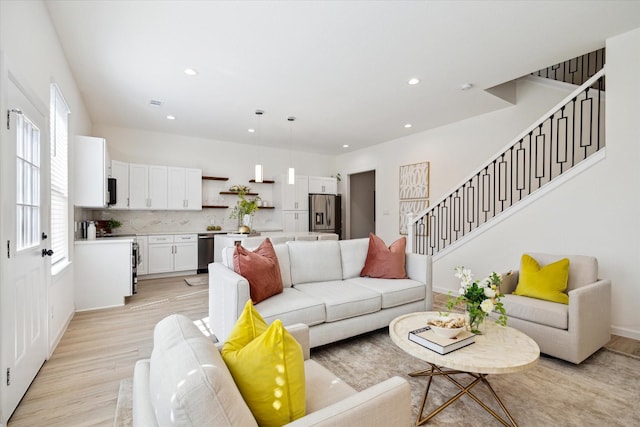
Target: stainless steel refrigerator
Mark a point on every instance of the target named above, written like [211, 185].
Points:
[324, 213]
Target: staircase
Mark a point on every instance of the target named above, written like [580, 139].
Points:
[559, 144]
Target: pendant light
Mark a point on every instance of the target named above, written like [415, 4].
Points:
[292, 171]
[258, 168]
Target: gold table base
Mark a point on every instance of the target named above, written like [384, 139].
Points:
[448, 374]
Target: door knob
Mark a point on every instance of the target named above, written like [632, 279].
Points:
[46, 252]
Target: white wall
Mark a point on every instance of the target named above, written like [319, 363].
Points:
[215, 158]
[33, 51]
[594, 213]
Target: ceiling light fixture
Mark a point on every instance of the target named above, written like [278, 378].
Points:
[345, 146]
[408, 125]
[414, 81]
[191, 72]
[170, 117]
[292, 171]
[252, 130]
[258, 168]
[466, 86]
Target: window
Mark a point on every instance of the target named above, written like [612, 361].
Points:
[28, 183]
[59, 178]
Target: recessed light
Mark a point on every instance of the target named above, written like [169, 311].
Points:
[251, 130]
[170, 117]
[414, 81]
[345, 146]
[191, 72]
[408, 125]
[466, 86]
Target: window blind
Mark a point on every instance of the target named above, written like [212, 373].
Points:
[59, 177]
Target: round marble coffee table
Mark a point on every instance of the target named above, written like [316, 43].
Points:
[500, 350]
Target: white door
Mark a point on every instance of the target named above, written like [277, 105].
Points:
[194, 189]
[176, 188]
[25, 221]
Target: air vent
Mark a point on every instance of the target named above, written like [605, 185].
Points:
[155, 103]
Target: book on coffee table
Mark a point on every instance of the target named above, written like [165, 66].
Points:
[426, 337]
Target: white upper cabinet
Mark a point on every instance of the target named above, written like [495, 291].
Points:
[323, 185]
[120, 171]
[184, 189]
[91, 172]
[295, 197]
[147, 187]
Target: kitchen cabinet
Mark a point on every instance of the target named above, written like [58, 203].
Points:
[147, 187]
[169, 253]
[295, 197]
[103, 273]
[293, 221]
[91, 171]
[120, 171]
[184, 189]
[295, 203]
[143, 255]
[323, 185]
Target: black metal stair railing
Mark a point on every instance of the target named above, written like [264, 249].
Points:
[560, 140]
[577, 70]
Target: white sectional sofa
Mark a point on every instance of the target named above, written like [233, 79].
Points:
[322, 289]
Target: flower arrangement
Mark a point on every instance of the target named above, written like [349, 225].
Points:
[244, 206]
[481, 297]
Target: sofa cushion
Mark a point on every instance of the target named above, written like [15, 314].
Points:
[353, 254]
[394, 292]
[207, 394]
[292, 306]
[537, 311]
[343, 299]
[547, 283]
[383, 262]
[583, 269]
[267, 368]
[282, 252]
[315, 261]
[323, 387]
[261, 269]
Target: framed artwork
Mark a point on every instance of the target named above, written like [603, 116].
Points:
[414, 191]
[414, 181]
[407, 206]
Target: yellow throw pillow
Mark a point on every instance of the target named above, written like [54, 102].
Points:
[546, 283]
[268, 369]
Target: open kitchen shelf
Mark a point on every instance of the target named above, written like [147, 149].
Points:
[266, 181]
[215, 178]
[236, 193]
[214, 207]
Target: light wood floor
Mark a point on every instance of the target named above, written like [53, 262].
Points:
[79, 385]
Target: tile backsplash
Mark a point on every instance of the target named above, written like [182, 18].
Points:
[141, 222]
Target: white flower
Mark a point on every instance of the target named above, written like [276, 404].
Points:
[486, 306]
[462, 291]
[489, 292]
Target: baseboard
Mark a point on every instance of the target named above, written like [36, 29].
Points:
[625, 332]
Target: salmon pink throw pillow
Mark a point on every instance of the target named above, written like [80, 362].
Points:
[260, 268]
[383, 262]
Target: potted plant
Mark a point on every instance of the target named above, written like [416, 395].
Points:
[244, 210]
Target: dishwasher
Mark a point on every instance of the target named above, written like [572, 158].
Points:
[205, 251]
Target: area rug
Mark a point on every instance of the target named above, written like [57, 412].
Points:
[603, 390]
[199, 280]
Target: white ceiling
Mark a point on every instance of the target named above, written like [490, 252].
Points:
[341, 67]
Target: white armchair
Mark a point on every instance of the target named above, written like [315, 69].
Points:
[186, 383]
[573, 331]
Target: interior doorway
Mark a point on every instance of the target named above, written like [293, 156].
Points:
[362, 204]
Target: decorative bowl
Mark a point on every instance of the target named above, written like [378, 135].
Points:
[447, 332]
[448, 326]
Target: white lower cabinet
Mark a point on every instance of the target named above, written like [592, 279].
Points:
[169, 253]
[295, 221]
